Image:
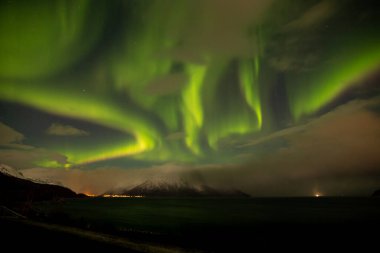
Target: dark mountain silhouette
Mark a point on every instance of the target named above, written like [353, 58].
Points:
[181, 188]
[376, 193]
[15, 188]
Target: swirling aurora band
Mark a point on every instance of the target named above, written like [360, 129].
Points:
[199, 106]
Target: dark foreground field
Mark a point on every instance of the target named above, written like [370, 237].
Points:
[206, 225]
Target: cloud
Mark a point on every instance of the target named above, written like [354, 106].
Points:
[176, 136]
[65, 130]
[221, 28]
[100, 180]
[335, 154]
[9, 135]
[298, 45]
[27, 158]
[312, 17]
[272, 136]
[15, 153]
[167, 85]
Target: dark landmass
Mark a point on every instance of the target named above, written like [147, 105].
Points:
[26, 235]
[376, 193]
[14, 189]
[178, 189]
[228, 224]
[199, 235]
[213, 221]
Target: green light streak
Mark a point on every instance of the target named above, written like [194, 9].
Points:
[249, 83]
[90, 108]
[174, 151]
[143, 55]
[49, 164]
[102, 153]
[49, 60]
[232, 124]
[229, 112]
[37, 33]
[167, 109]
[192, 93]
[192, 106]
[330, 80]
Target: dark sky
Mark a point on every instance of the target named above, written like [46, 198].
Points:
[274, 97]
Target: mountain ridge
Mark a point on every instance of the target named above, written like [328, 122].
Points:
[14, 187]
[181, 188]
[6, 169]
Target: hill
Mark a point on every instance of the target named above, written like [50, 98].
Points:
[14, 187]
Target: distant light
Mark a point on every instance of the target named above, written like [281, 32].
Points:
[89, 194]
[317, 195]
[122, 196]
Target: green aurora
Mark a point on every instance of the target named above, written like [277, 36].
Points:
[176, 86]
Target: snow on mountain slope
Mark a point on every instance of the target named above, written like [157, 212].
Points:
[178, 188]
[8, 170]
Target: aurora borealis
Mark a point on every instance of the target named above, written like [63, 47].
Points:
[131, 83]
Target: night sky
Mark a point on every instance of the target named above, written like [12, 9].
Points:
[273, 97]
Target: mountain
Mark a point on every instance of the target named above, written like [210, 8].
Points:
[14, 187]
[376, 193]
[159, 188]
[8, 170]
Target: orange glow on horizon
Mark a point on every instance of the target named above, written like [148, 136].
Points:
[89, 194]
[121, 196]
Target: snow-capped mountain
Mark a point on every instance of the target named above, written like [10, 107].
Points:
[44, 181]
[8, 170]
[15, 187]
[180, 188]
